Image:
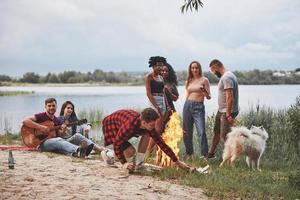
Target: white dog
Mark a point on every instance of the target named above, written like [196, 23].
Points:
[241, 140]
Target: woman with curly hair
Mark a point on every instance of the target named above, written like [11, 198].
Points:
[154, 83]
[170, 86]
[197, 89]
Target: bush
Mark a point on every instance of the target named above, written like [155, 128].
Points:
[294, 180]
[94, 116]
[294, 119]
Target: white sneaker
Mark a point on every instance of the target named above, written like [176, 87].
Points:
[108, 157]
[203, 170]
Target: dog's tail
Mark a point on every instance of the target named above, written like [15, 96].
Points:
[260, 131]
[239, 131]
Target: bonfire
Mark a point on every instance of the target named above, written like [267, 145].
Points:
[172, 136]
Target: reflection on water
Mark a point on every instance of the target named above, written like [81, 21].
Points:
[109, 99]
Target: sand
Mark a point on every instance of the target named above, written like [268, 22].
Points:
[53, 176]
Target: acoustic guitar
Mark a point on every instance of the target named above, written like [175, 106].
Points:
[33, 137]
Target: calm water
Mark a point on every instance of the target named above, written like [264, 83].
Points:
[109, 99]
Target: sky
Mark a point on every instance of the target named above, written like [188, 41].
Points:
[58, 35]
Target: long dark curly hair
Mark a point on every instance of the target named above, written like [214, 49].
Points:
[172, 78]
[156, 59]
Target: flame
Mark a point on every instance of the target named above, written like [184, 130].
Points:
[172, 135]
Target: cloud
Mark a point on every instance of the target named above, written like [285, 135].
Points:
[63, 35]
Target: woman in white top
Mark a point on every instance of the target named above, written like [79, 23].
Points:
[197, 89]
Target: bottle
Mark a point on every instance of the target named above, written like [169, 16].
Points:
[11, 162]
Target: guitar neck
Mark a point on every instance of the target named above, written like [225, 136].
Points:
[79, 122]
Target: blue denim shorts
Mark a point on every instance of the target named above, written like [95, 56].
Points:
[160, 100]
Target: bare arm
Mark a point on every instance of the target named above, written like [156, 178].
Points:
[229, 101]
[173, 92]
[186, 91]
[31, 122]
[207, 89]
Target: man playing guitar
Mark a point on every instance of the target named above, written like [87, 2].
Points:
[49, 139]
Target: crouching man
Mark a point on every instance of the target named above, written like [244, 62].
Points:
[122, 125]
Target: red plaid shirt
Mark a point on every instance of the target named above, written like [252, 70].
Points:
[122, 125]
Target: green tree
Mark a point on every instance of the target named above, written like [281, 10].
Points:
[124, 77]
[30, 77]
[99, 75]
[5, 78]
[66, 75]
[52, 78]
[112, 78]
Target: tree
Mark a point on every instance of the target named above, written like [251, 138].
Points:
[30, 77]
[111, 78]
[5, 78]
[66, 75]
[191, 4]
[99, 75]
[52, 78]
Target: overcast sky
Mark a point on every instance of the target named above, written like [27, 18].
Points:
[57, 35]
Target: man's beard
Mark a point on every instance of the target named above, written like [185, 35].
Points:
[218, 74]
[51, 112]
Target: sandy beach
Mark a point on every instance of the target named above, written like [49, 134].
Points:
[53, 176]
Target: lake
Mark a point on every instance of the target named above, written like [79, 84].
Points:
[111, 98]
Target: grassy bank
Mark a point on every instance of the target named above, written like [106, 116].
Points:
[280, 175]
[10, 139]
[14, 93]
[238, 182]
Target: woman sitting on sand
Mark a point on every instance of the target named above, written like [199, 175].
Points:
[68, 115]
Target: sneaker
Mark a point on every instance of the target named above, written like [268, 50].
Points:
[84, 149]
[108, 157]
[203, 170]
[211, 156]
[89, 149]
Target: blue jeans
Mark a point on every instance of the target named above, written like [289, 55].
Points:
[194, 112]
[77, 138]
[58, 145]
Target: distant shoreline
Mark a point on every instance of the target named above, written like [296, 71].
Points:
[100, 77]
[95, 84]
[66, 84]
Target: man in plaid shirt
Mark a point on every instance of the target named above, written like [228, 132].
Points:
[122, 125]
